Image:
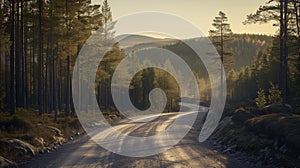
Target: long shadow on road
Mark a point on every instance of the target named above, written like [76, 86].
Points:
[83, 152]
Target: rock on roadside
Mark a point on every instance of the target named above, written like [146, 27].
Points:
[56, 130]
[6, 163]
[22, 146]
[277, 108]
[240, 116]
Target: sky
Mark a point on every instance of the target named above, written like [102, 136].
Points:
[199, 12]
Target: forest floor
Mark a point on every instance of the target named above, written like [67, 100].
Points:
[267, 137]
[27, 134]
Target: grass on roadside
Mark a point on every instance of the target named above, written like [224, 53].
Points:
[27, 125]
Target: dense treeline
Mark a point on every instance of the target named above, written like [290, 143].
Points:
[279, 63]
[258, 60]
[276, 61]
[246, 46]
[247, 50]
[39, 44]
[40, 41]
[285, 15]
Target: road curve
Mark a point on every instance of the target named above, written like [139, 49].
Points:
[188, 153]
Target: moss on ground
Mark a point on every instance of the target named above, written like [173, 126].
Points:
[275, 136]
[278, 126]
[27, 126]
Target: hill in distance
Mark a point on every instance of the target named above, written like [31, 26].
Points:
[132, 41]
[243, 46]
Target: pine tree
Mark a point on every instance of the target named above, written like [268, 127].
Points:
[107, 20]
[220, 37]
[285, 15]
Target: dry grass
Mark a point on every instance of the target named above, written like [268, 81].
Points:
[27, 125]
[278, 126]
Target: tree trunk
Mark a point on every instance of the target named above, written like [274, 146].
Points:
[46, 81]
[222, 60]
[297, 13]
[281, 44]
[7, 77]
[59, 84]
[22, 54]
[55, 85]
[40, 62]
[285, 52]
[18, 57]
[12, 60]
[25, 62]
[68, 86]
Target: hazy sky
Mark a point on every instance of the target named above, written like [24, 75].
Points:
[199, 12]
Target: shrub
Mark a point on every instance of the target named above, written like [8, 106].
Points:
[261, 100]
[274, 95]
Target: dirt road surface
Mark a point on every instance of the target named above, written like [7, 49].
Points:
[188, 153]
